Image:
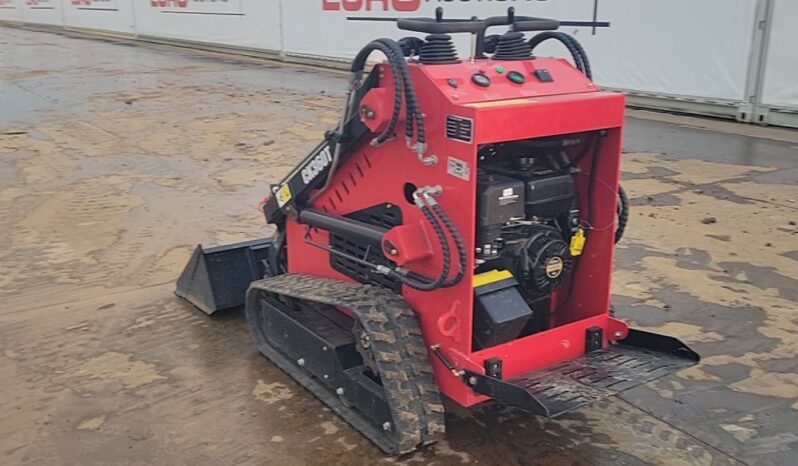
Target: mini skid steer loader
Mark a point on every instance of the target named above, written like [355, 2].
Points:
[470, 258]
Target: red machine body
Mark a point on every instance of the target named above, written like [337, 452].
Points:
[471, 258]
[504, 110]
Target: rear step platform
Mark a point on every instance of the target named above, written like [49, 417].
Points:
[559, 389]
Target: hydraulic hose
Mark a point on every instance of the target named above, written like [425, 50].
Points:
[410, 93]
[623, 213]
[396, 62]
[414, 114]
[577, 51]
[418, 281]
[462, 256]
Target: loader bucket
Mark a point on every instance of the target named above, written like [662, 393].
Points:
[217, 278]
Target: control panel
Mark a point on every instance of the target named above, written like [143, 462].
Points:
[490, 80]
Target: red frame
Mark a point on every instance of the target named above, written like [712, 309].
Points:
[375, 175]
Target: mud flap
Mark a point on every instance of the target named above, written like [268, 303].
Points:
[217, 278]
[556, 390]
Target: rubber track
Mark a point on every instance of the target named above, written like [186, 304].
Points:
[400, 353]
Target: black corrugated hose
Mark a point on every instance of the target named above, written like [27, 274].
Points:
[414, 114]
[462, 256]
[419, 282]
[359, 63]
[623, 213]
[577, 52]
[583, 64]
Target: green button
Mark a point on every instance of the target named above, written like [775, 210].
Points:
[500, 69]
[515, 77]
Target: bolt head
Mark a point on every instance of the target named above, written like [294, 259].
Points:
[386, 426]
[618, 334]
[300, 362]
[339, 391]
[472, 381]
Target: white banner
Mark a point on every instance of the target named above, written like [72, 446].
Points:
[350, 24]
[10, 10]
[680, 47]
[109, 5]
[198, 6]
[43, 12]
[104, 15]
[781, 69]
[251, 24]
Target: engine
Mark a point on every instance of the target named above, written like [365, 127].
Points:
[527, 214]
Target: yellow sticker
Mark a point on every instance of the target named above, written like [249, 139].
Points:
[492, 276]
[283, 195]
[578, 242]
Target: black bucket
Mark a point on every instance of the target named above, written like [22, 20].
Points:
[217, 278]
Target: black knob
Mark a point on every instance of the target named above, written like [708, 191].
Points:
[480, 80]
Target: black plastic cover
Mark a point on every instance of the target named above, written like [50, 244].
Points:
[500, 313]
[549, 195]
[499, 199]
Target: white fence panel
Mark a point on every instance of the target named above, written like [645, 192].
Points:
[11, 10]
[43, 12]
[102, 15]
[781, 68]
[701, 51]
[340, 28]
[676, 47]
[240, 23]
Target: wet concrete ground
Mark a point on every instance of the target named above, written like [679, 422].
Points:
[117, 158]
